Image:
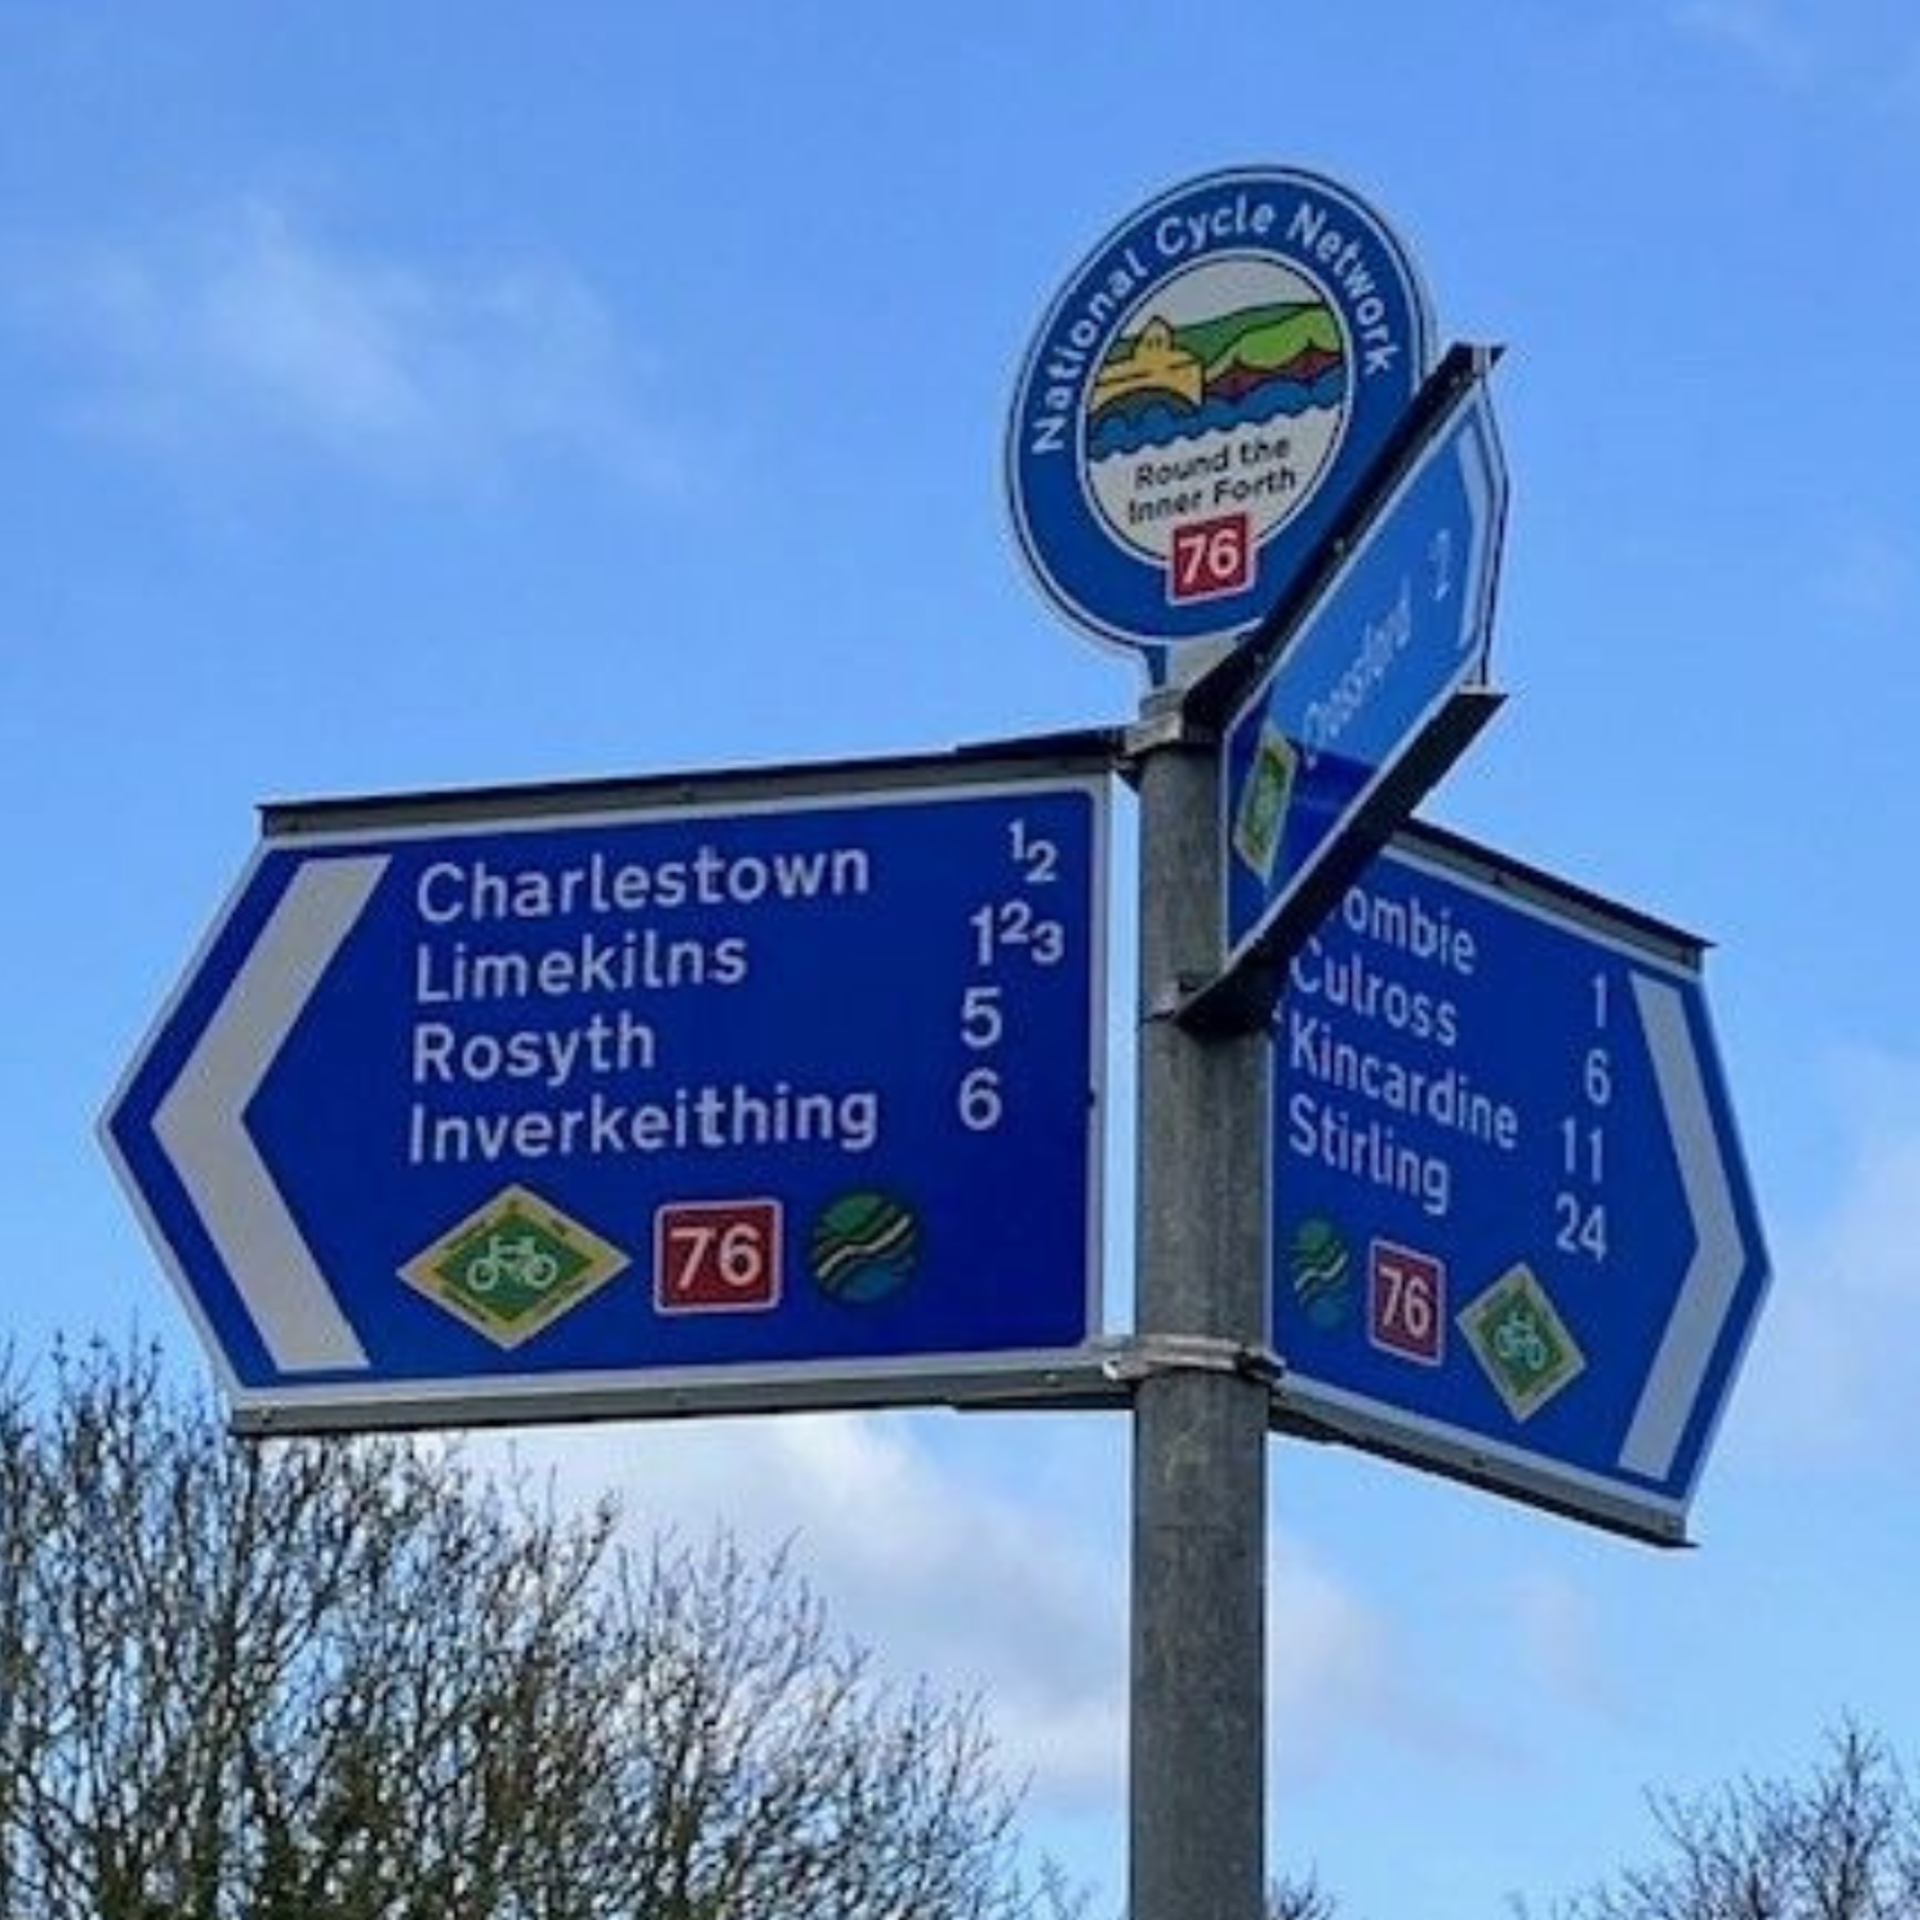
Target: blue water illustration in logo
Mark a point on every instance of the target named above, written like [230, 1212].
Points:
[1161, 425]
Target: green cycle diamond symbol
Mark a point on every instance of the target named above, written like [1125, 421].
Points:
[513, 1266]
[1521, 1341]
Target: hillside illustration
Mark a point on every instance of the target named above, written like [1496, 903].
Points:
[1165, 382]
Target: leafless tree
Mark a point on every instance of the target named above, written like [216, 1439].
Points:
[1842, 1844]
[1300, 1899]
[356, 1681]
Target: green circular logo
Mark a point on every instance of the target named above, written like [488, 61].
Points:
[864, 1247]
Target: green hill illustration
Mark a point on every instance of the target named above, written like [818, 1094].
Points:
[1221, 360]
[1267, 337]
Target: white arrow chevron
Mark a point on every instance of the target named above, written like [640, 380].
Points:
[1706, 1295]
[1483, 473]
[202, 1127]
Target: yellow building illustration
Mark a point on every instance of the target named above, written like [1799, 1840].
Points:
[1156, 363]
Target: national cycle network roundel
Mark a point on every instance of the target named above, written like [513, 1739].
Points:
[1203, 398]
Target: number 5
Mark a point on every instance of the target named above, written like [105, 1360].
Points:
[981, 1021]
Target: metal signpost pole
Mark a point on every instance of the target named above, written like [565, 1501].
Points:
[1197, 1773]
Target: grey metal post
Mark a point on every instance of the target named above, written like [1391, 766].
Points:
[1197, 1762]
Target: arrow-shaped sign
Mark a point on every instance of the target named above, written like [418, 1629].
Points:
[1361, 709]
[737, 1093]
[1513, 1237]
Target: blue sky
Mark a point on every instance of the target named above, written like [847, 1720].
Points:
[403, 398]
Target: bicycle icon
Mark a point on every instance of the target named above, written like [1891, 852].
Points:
[1518, 1340]
[512, 1263]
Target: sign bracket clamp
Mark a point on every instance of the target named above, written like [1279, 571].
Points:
[1149, 1356]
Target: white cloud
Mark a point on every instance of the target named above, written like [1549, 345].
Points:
[1005, 1600]
[1864, 62]
[1874, 577]
[1831, 1373]
[1348, 1688]
[1018, 1598]
[1557, 1631]
[1331, 1670]
[1901, 81]
[249, 329]
[1759, 32]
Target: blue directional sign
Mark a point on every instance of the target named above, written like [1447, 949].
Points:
[1513, 1237]
[524, 1111]
[1367, 676]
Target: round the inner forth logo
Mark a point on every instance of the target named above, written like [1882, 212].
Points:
[1226, 391]
[1202, 399]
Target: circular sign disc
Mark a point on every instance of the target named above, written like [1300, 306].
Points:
[1202, 399]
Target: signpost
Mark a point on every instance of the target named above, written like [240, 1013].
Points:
[750, 1093]
[1327, 744]
[766, 1091]
[1512, 1235]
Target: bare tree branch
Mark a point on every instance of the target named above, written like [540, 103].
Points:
[1841, 1845]
[353, 1681]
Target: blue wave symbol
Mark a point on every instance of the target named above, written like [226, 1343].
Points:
[1160, 424]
